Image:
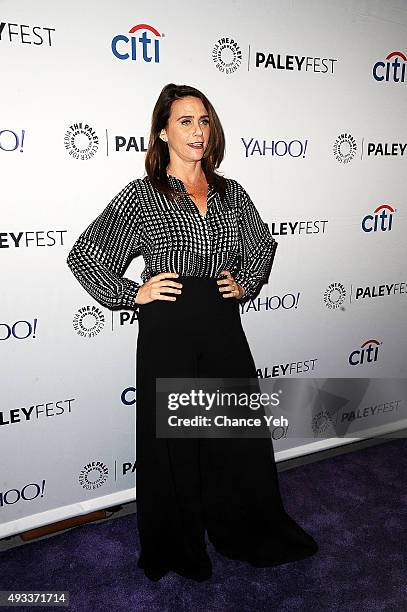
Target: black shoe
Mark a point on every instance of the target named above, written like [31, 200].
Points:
[155, 573]
[200, 573]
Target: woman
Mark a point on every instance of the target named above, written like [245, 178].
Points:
[205, 248]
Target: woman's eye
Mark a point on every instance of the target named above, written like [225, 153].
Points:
[187, 121]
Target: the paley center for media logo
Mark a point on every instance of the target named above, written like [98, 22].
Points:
[334, 295]
[81, 141]
[227, 55]
[345, 148]
[89, 321]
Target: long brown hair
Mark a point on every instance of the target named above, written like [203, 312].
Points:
[157, 156]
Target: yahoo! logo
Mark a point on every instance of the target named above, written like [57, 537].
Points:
[124, 47]
[30, 491]
[391, 71]
[274, 302]
[278, 148]
[20, 330]
[367, 353]
[380, 220]
[11, 141]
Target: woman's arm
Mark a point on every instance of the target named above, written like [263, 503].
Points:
[104, 250]
[257, 247]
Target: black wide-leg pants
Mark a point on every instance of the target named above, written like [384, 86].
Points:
[227, 487]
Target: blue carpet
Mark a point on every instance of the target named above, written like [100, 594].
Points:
[355, 506]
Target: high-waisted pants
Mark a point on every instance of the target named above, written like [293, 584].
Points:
[187, 487]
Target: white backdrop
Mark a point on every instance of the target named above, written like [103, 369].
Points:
[315, 133]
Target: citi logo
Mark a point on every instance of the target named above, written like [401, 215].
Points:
[380, 221]
[367, 353]
[391, 70]
[128, 396]
[144, 47]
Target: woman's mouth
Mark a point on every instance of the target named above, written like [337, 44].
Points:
[196, 145]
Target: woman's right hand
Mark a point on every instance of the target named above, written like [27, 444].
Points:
[151, 289]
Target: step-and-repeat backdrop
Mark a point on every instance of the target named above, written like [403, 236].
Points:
[311, 96]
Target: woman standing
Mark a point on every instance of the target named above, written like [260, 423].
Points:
[205, 249]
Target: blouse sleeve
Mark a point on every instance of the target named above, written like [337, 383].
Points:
[104, 250]
[257, 247]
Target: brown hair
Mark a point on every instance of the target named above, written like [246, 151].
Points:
[157, 156]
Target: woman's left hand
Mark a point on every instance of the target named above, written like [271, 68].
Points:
[229, 287]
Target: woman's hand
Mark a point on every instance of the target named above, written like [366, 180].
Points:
[229, 287]
[153, 288]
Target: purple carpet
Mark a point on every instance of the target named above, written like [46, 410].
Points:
[355, 506]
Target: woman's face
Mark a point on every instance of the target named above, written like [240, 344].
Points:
[188, 129]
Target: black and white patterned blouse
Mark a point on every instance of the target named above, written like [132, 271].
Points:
[172, 237]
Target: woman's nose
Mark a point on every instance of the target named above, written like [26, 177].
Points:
[198, 128]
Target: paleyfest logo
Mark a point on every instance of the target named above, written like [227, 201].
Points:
[345, 148]
[142, 48]
[227, 55]
[25, 34]
[81, 141]
[279, 61]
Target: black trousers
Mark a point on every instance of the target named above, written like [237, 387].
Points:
[227, 487]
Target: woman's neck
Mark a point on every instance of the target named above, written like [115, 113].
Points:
[187, 175]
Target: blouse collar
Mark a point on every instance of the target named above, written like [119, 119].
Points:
[178, 180]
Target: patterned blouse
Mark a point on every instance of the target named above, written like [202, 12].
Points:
[171, 237]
